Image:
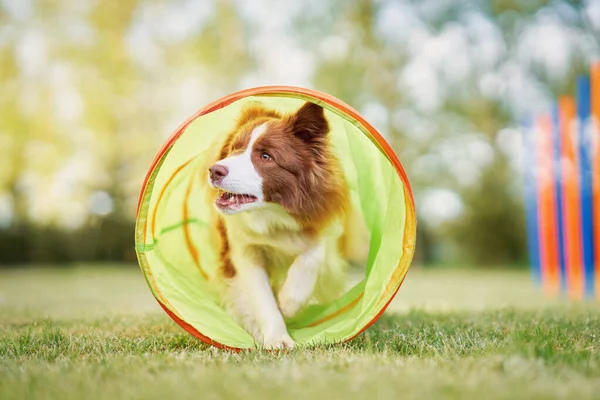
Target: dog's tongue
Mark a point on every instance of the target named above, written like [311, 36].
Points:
[231, 200]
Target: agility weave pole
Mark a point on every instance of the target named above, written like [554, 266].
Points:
[562, 192]
[171, 226]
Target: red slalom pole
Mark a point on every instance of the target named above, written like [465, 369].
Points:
[548, 231]
[595, 126]
[571, 198]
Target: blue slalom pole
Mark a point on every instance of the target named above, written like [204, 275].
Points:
[585, 170]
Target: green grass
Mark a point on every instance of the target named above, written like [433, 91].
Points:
[97, 334]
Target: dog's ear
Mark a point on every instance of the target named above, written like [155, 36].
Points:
[309, 123]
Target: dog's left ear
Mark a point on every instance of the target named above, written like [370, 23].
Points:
[309, 123]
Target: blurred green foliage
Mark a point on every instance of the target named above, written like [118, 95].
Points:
[89, 91]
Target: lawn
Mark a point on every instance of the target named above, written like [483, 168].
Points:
[96, 333]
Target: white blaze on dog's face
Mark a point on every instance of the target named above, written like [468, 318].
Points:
[273, 159]
[239, 184]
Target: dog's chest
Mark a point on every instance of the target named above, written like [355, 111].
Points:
[281, 243]
[277, 247]
[273, 231]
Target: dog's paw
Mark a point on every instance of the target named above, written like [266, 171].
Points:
[278, 342]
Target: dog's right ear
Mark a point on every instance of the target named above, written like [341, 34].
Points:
[309, 123]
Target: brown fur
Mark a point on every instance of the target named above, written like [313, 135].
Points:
[254, 112]
[303, 176]
[226, 267]
[296, 247]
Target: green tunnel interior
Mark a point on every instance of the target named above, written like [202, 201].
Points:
[172, 236]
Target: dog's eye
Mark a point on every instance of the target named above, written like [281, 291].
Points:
[265, 157]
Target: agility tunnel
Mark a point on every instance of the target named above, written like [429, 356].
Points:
[171, 226]
[562, 191]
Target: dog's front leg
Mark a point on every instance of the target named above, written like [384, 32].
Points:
[256, 305]
[301, 279]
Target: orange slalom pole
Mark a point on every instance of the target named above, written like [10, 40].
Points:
[548, 232]
[571, 198]
[595, 125]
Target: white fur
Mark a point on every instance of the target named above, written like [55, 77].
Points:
[301, 279]
[299, 269]
[250, 299]
[242, 177]
[273, 258]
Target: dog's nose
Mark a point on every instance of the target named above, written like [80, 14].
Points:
[217, 173]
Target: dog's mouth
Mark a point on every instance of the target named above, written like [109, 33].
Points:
[233, 201]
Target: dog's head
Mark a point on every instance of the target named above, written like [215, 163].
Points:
[274, 159]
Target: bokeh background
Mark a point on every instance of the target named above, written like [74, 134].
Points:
[90, 89]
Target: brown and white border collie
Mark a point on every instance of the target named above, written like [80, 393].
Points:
[282, 205]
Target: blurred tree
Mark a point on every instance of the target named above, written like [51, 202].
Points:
[89, 90]
[77, 118]
[14, 136]
[454, 136]
[491, 231]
